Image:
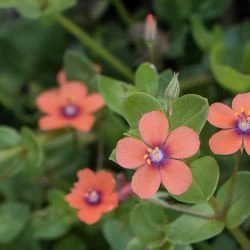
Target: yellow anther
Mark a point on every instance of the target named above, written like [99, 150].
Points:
[150, 150]
[248, 112]
[148, 162]
[242, 110]
[145, 156]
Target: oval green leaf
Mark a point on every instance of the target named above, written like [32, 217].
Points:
[136, 105]
[205, 173]
[191, 111]
[147, 221]
[13, 217]
[226, 76]
[147, 79]
[189, 229]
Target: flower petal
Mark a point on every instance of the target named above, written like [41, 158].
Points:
[246, 141]
[105, 181]
[130, 152]
[93, 103]
[109, 202]
[153, 127]
[83, 123]
[221, 116]
[225, 142]
[176, 177]
[86, 175]
[182, 142]
[241, 101]
[89, 215]
[74, 200]
[51, 122]
[146, 181]
[73, 92]
[48, 101]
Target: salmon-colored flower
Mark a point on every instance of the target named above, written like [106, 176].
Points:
[68, 105]
[93, 195]
[236, 125]
[157, 156]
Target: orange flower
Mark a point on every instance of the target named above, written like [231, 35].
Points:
[157, 154]
[236, 125]
[68, 105]
[93, 195]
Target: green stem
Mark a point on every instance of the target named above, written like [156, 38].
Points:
[183, 209]
[240, 237]
[229, 197]
[123, 13]
[88, 41]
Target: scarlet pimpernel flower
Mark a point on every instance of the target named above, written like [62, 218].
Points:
[235, 123]
[93, 195]
[157, 156]
[68, 105]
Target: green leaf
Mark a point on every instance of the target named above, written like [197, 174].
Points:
[69, 242]
[34, 148]
[47, 224]
[204, 38]
[116, 234]
[147, 221]
[189, 229]
[137, 104]
[9, 137]
[57, 6]
[240, 208]
[226, 76]
[147, 79]
[57, 202]
[78, 67]
[191, 111]
[7, 3]
[205, 172]
[13, 217]
[29, 8]
[113, 92]
[135, 244]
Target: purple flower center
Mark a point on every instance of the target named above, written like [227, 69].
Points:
[70, 111]
[156, 156]
[93, 197]
[243, 121]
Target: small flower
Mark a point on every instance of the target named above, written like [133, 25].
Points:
[236, 125]
[157, 156]
[93, 195]
[150, 31]
[68, 105]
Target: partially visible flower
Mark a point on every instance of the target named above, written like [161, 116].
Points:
[150, 30]
[157, 156]
[93, 195]
[235, 123]
[68, 105]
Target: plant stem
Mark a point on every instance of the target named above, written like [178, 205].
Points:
[88, 41]
[240, 237]
[229, 197]
[123, 13]
[183, 209]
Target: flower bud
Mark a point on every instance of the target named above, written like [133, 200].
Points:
[172, 92]
[150, 30]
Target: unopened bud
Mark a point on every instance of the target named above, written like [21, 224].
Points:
[150, 31]
[172, 92]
